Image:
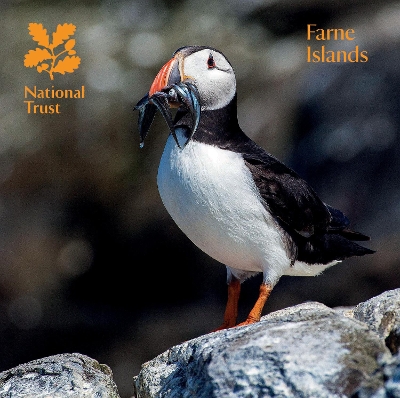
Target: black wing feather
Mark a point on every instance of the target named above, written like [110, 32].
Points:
[288, 196]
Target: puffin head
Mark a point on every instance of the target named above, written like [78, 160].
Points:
[197, 78]
[205, 68]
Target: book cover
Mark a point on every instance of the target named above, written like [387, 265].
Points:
[91, 261]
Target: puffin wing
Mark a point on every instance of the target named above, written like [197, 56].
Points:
[289, 198]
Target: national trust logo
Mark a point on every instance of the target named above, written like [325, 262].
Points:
[57, 56]
[47, 51]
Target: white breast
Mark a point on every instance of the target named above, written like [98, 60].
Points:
[210, 194]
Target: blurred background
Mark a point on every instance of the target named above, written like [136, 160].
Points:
[90, 261]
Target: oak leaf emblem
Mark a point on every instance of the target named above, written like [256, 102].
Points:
[46, 59]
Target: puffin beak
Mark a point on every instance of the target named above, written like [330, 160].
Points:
[170, 89]
[168, 75]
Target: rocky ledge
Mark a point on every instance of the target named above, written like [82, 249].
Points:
[308, 350]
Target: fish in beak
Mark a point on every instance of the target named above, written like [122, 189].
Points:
[170, 89]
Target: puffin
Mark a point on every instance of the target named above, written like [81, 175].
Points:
[229, 196]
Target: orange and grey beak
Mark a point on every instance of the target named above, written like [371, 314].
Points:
[168, 75]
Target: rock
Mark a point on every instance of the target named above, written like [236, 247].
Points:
[59, 376]
[308, 350]
[391, 377]
[382, 315]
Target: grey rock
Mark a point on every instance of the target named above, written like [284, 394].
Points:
[382, 315]
[305, 351]
[391, 386]
[392, 377]
[59, 376]
[308, 350]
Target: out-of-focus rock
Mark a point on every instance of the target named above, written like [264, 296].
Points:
[59, 376]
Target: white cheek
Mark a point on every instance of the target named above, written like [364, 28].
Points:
[216, 89]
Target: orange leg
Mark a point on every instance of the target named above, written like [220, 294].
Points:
[231, 310]
[255, 313]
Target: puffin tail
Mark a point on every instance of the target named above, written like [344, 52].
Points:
[339, 231]
[353, 235]
[343, 244]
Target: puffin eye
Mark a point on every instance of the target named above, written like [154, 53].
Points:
[210, 62]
